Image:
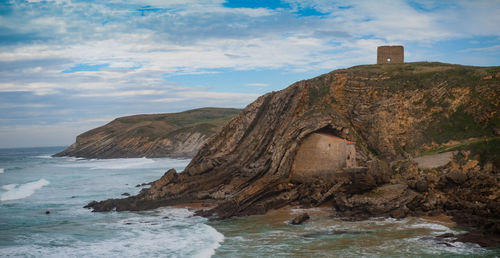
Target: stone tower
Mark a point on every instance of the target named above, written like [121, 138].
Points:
[390, 55]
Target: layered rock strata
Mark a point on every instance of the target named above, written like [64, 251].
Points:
[392, 112]
[157, 135]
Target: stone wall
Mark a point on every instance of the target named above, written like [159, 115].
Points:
[322, 155]
[390, 55]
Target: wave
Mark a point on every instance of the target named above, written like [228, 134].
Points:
[126, 163]
[2, 170]
[15, 191]
[160, 233]
[438, 228]
[216, 239]
[109, 163]
[43, 156]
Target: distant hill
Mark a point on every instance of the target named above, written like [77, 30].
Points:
[156, 135]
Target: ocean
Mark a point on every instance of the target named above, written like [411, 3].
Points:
[32, 183]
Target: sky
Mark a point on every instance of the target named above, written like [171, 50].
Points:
[67, 66]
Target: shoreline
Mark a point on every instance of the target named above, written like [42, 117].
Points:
[325, 214]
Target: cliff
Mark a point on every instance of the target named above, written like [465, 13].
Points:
[157, 135]
[394, 113]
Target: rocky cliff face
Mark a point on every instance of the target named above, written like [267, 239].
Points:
[392, 112]
[159, 135]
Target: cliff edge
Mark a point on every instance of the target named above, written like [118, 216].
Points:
[156, 135]
[393, 113]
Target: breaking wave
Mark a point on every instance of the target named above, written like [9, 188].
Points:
[126, 163]
[110, 163]
[168, 233]
[15, 191]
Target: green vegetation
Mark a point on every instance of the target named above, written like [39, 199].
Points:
[318, 89]
[484, 149]
[460, 125]
[203, 128]
[216, 116]
[156, 126]
[460, 146]
[424, 75]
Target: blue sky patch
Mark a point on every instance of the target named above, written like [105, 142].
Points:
[345, 7]
[271, 4]
[309, 11]
[145, 10]
[85, 68]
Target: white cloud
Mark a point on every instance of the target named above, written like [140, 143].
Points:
[38, 88]
[61, 134]
[481, 49]
[154, 48]
[191, 37]
[200, 95]
[24, 105]
[257, 84]
[123, 93]
[169, 99]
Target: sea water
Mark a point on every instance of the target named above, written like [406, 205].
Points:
[32, 183]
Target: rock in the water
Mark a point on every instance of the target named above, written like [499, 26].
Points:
[300, 219]
[398, 213]
[474, 236]
[90, 204]
[382, 201]
[47, 212]
[143, 184]
[125, 194]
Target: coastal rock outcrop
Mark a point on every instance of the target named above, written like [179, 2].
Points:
[300, 219]
[158, 135]
[392, 113]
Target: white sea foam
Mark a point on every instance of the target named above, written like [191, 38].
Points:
[15, 191]
[110, 163]
[146, 235]
[433, 247]
[215, 241]
[437, 228]
[43, 156]
[128, 163]
[1, 170]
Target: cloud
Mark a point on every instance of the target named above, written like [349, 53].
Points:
[87, 59]
[240, 98]
[123, 93]
[58, 134]
[256, 84]
[169, 99]
[23, 105]
[38, 88]
[481, 49]
[192, 36]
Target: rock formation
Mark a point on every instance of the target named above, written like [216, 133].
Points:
[392, 112]
[158, 135]
[300, 219]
